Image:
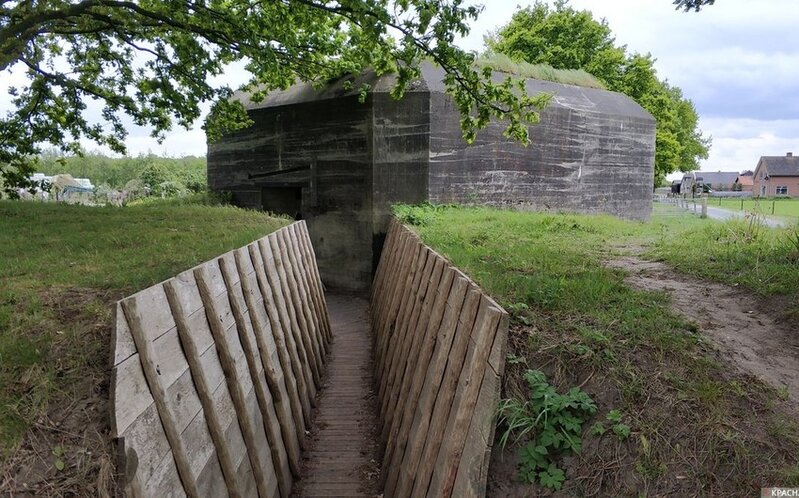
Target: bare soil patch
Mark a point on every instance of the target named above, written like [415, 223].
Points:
[747, 331]
[68, 450]
[729, 435]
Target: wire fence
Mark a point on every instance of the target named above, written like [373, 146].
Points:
[675, 206]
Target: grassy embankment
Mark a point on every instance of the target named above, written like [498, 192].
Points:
[62, 268]
[697, 427]
[761, 260]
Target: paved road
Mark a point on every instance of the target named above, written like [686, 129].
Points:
[725, 214]
[718, 213]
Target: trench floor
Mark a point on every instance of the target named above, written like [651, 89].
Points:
[342, 457]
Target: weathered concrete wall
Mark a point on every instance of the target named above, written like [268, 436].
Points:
[583, 157]
[354, 160]
[330, 142]
[401, 152]
[342, 163]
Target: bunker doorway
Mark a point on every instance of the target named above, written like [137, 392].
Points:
[282, 200]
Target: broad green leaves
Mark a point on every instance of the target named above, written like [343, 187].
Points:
[695, 5]
[153, 60]
[554, 423]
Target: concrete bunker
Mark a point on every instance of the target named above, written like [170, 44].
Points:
[322, 155]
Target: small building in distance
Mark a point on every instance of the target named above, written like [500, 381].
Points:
[777, 176]
[718, 181]
[745, 181]
[320, 154]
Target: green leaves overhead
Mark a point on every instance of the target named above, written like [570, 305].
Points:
[158, 61]
[695, 5]
[569, 39]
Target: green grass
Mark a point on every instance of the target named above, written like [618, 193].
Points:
[504, 64]
[787, 209]
[578, 321]
[765, 261]
[64, 266]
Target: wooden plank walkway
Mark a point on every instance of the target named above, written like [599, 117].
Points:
[342, 458]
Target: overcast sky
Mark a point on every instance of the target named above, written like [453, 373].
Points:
[737, 60]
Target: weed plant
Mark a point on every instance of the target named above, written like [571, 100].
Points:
[552, 421]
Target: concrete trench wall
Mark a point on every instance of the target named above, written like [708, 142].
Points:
[215, 373]
[439, 357]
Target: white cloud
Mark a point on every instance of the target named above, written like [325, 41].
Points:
[734, 59]
[13, 77]
[177, 143]
[739, 143]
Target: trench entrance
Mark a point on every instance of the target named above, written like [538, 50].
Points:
[283, 199]
[240, 377]
[342, 457]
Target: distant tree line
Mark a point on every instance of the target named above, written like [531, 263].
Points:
[566, 38]
[160, 175]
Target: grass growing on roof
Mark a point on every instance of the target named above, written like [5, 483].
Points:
[62, 268]
[504, 64]
[695, 425]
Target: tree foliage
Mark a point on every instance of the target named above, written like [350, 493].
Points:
[695, 5]
[154, 60]
[145, 174]
[569, 39]
[116, 172]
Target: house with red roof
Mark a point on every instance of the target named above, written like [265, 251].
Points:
[745, 182]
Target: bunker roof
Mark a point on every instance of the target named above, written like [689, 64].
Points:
[588, 100]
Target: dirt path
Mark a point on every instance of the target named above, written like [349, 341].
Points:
[729, 317]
